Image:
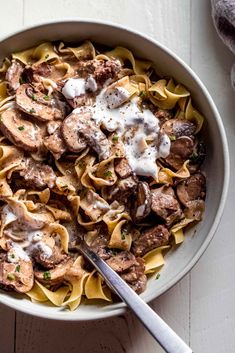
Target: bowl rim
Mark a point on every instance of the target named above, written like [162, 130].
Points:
[226, 167]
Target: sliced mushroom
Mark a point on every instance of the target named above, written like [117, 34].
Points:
[19, 131]
[78, 131]
[55, 144]
[13, 75]
[16, 276]
[194, 209]
[165, 205]
[38, 104]
[180, 151]
[193, 188]
[142, 204]
[37, 174]
[122, 190]
[122, 168]
[178, 127]
[150, 239]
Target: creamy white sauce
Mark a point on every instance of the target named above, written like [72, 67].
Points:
[36, 243]
[139, 130]
[75, 87]
[116, 97]
[16, 253]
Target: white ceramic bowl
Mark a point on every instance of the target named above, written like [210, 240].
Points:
[216, 166]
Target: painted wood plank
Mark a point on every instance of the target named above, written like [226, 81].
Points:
[7, 332]
[212, 280]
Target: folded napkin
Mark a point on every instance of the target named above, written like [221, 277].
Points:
[223, 13]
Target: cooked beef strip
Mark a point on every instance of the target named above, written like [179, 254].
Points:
[180, 151]
[122, 168]
[150, 239]
[165, 205]
[21, 132]
[122, 261]
[54, 276]
[13, 75]
[37, 174]
[101, 70]
[193, 188]
[48, 262]
[122, 190]
[55, 144]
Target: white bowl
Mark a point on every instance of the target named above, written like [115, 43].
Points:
[178, 261]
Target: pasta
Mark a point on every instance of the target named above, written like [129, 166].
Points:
[92, 145]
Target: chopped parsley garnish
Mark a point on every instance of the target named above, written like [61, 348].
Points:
[32, 111]
[158, 276]
[47, 275]
[115, 138]
[12, 256]
[141, 94]
[46, 56]
[21, 80]
[172, 137]
[21, 128]
[46, 98]
[11, 276]
[108, 174]
[34, 98]
[194, 156]
[17, 268]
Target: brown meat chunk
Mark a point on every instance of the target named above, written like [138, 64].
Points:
[16, 276]
[142, 203]
[180, 151]
[37, 174]
[13, 75]
[163, 115]
[122, 261]
[122, 190]
[135, 276]
[21, 132]
[55, 276]
[122, 168]
[38, 104]
[48, 262]
[101, 70]
[150, 239]
[78, 131]
[55, 144]
[178, 128]
[139, 286]
[193, 188]
[165, 205]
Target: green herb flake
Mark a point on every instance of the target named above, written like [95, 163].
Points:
[17, 269]
[194, 156]
[46, 56]
[46, 98]
[172, 137]
[47, 275]
[12, 256]
[141, 94]
[158, 276]
[34, 98]
[11, 276]
[32, 111]
[115, 138]
[21, 80]
[21, 128]
[108, 174]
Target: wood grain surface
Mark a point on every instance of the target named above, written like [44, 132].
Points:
[201, 307]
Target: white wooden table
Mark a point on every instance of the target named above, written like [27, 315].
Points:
[201, 308]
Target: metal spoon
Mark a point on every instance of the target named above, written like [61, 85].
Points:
[165, 336]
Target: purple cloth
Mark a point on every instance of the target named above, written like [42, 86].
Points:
[223, 13]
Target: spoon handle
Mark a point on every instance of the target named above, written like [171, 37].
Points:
[165, 336]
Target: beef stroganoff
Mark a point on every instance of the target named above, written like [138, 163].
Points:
[93, 143]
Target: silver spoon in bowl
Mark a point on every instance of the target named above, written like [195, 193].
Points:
[164, 335]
